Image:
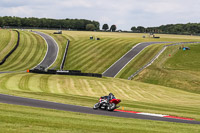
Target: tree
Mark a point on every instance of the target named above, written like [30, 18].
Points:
[141, 29]
[113, 28]
[105, 27]
[90, 27]
[134, 29]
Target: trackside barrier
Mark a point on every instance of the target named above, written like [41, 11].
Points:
[157, 55]
[66, 72]
[65, 55]
[17, 44]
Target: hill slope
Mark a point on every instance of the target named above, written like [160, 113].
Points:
[8, 40]
[180, 70]
[31, 51]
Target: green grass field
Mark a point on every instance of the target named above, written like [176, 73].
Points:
[180, 70]
[8, 39]
[30, 52]
[20, 119]
[96, 56]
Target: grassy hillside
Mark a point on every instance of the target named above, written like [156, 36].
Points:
[96, 56]
[135, 96]
[8, 39]
[28, 119]
[180, 70]
[31, 51]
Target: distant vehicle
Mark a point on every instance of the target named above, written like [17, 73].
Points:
[58, 32]
[107, 103]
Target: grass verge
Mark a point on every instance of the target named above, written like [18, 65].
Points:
[16, 119]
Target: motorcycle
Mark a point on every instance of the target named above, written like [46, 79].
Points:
[107, 105]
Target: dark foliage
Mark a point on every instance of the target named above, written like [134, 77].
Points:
[113, 28]
[187, 29]
[105, 27]
[75, 24]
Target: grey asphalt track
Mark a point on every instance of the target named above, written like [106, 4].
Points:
[66, 107]
[52, 51]
[122, 62]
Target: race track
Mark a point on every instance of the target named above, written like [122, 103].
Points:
[66, 107]
[113, 70]
[52, 51]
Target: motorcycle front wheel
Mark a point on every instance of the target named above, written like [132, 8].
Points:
[96, 106]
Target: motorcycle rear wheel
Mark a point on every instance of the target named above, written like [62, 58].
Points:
[111, 107]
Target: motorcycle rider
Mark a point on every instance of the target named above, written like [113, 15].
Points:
[110, 97]
[107, 98]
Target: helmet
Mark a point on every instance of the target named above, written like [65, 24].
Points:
[110, 94]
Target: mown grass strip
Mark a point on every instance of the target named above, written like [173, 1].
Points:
[5, 37]
[8, 40]
[24, 82]
[12, 50]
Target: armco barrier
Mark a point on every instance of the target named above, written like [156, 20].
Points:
[17, 44]
[66, 72]
[65, 55]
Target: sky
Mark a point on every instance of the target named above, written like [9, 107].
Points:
[123, 13]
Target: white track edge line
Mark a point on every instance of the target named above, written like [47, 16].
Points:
[149, 114]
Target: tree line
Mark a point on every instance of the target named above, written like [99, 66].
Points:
[75, 24]
[186, 29]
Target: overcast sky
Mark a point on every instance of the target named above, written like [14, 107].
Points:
[123, 13]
